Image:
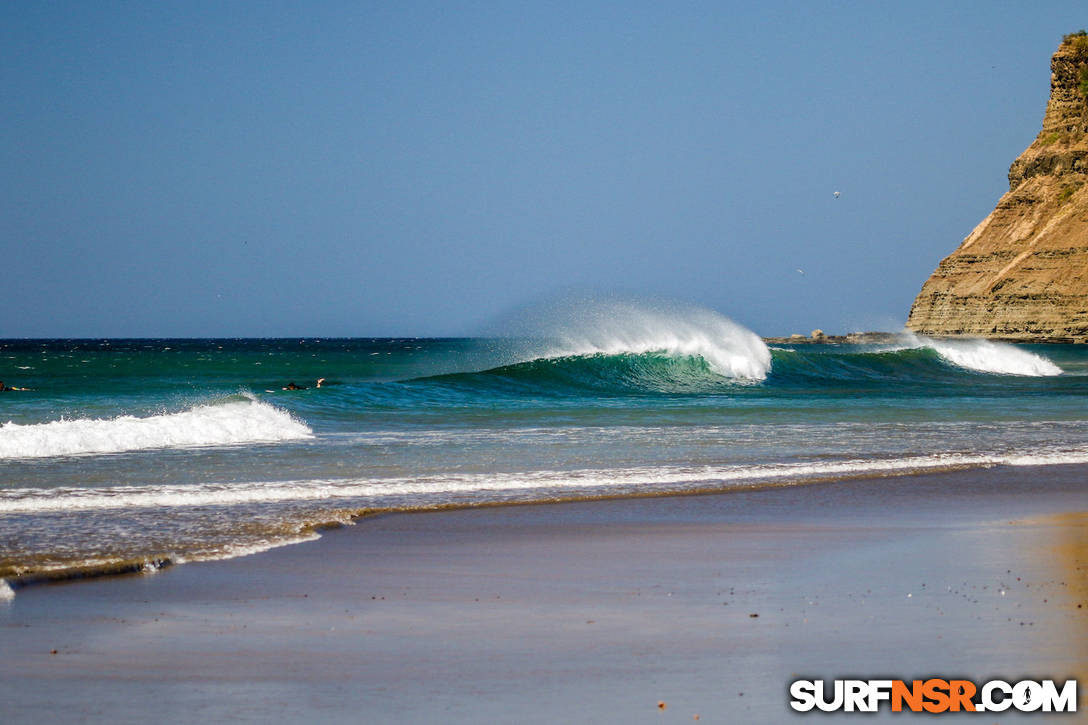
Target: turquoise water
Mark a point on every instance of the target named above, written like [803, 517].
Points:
[134, 453]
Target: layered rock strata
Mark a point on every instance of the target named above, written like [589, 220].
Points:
[1022, 274]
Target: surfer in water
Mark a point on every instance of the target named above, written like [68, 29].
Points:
[292, 386]
[5, 389]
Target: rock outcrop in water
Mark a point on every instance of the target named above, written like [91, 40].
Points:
[1022, 274]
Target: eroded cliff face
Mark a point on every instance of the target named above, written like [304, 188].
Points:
[1022, 274]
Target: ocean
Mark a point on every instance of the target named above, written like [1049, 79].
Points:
[129, 455]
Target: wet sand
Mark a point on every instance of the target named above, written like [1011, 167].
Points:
[581, 612]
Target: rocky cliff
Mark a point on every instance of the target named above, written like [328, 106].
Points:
[1022, 274]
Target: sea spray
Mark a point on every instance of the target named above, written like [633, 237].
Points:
[231, 422]
[616, 327]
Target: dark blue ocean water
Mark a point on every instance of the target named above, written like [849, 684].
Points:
[131, 452]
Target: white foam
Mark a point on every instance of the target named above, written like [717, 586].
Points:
[228, 423]
[987, 356]
[662, 478]
[6, 592]
[235, 551]
[613, 328]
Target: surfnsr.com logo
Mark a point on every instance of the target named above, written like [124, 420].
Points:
[933, 695]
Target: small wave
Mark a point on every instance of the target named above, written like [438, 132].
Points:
[423, 489]
[224, 424]
[65, 566]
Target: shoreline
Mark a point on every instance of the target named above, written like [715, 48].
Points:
[10, 585]
[581, 611]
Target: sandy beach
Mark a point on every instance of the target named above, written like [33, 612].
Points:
[581, 612]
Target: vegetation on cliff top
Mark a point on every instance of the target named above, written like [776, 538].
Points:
[1078, 41]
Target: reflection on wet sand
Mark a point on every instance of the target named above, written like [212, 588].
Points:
[1064, 556]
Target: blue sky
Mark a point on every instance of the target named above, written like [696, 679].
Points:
[409, 168]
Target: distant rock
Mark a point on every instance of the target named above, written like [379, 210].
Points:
[818, 337]
[1022, 274]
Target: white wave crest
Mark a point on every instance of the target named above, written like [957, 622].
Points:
[987, 356]
[623, 480]
[224, 424]
[613, 328]
[6, 592]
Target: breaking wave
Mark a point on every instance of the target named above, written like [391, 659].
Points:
[661, 370]
[664, 330]
[632, 347]
[622, 373]
[233, 422]
[913, 360]
[986, 356]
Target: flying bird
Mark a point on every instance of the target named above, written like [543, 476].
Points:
[837, 194]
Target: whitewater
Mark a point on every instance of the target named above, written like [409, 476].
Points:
[126, 454]
[225, 424]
